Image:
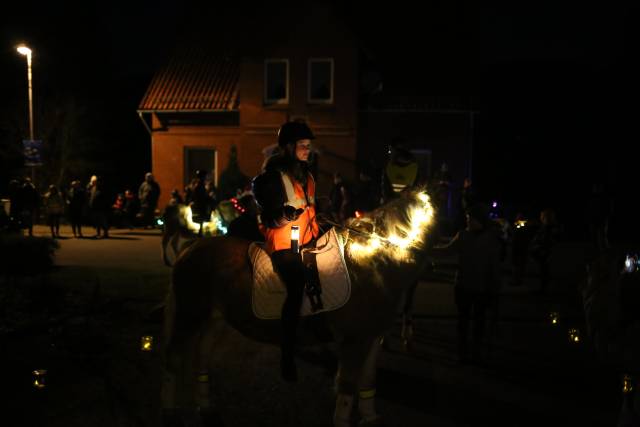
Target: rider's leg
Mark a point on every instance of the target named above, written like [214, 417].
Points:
[291, 270]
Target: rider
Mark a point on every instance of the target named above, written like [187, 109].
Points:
[400, 174]
[285, 192]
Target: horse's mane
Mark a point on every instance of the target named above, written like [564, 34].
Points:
[392, 231]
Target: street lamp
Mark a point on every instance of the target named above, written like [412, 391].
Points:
[24, 50]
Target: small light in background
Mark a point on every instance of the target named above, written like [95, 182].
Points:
[494, 204]
[574, 335]
[554, 317]
[521, 223]
[630, 263]
[627, 384]
[39, 376]
[146, 343]
[358, 214]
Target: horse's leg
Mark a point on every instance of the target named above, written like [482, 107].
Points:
[177, 382]
[352, 355]
[367, 386]
[407, 317]
[171, 360]
[203, 357]
[177, 394]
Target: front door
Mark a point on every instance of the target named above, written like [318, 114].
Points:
[200, 158]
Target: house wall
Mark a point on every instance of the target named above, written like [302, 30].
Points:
[335, 125]
[168, 146]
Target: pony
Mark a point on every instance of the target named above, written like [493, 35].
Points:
[383, 252]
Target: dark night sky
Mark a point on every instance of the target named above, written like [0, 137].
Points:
[549, 78]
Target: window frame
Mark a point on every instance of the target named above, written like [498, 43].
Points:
[320, 101]
[277, 101]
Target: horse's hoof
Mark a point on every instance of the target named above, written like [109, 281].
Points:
[372, 422]
[172, 418]
[408, 345]
[210, 418]
[384, 343]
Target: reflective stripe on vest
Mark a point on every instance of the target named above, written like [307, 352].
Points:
[280, 238]
[294, 198]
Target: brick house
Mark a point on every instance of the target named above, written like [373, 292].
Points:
[213, 96]
[210, 98]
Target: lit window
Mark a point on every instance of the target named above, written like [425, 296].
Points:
[276, 81]
[320, 89]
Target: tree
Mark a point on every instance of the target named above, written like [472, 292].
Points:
[232, 178]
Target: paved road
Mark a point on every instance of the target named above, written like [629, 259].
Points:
[102, 292]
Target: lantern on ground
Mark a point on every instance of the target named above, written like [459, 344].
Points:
[146, 343]
[39, 376]
[627, 384]
[574, 335]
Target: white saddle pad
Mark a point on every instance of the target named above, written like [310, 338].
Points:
[269, 292]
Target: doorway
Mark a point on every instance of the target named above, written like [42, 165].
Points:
[200, 158]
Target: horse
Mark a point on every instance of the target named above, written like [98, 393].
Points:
[383, 253]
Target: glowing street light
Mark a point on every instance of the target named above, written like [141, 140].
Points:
[24, 50]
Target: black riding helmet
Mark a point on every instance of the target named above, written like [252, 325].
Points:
[291, 132]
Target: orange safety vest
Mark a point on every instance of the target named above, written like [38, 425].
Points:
[280, 238]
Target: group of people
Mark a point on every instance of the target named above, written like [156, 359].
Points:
[89, 204]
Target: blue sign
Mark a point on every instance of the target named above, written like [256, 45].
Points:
[32, 149]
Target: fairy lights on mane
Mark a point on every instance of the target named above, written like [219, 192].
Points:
[403, 236]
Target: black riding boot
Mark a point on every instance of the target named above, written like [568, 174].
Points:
[287, 359]
[291, 270]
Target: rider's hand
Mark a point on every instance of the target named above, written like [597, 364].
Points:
[292, 213]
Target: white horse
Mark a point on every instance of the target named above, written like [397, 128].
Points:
[215, 274]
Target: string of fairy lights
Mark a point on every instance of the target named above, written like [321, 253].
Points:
[398, 243]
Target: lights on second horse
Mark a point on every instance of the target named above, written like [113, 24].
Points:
[212, 227]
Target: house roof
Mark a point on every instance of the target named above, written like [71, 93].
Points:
[194, 80]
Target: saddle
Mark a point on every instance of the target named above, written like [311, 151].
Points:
[269, 292]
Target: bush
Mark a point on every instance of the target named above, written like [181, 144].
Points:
[20, 255]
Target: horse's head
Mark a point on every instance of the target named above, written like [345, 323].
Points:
[394, 231]
[176, 232]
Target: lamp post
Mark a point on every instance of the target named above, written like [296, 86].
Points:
[24, 50]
